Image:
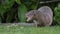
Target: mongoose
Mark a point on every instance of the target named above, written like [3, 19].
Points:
[42, 17]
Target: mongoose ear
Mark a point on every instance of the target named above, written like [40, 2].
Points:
[34, 12]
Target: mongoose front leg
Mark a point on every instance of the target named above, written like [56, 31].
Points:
[35, 22]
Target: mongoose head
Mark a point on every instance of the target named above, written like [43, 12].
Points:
[30, 15]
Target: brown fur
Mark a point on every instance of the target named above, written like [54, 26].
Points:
[43, 16]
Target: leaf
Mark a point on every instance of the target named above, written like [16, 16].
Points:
[8, 3]
[2, 10]
[21, 12]
[6, 6]
[18, 1]
[59, 5]
[33, 6]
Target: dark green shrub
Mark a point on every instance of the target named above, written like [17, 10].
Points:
[57, 14]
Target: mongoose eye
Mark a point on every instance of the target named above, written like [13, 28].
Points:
[30, 14]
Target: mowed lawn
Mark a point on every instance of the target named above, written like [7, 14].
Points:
[4, 29]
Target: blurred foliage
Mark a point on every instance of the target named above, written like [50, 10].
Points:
[14, 10]
[21, 12]
[57, 13]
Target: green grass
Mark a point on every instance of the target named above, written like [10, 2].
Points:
[29, 30]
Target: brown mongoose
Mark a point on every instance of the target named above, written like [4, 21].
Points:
[43, 16]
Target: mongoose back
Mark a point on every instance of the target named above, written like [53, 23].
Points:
[43, 16]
